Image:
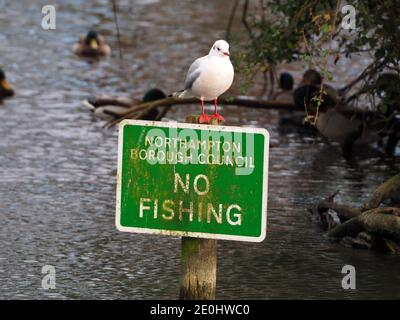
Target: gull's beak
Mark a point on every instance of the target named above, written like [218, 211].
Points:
[227, 53]
[4, 83]
[93, 44]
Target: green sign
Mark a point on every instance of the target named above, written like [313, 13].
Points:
[192, 180]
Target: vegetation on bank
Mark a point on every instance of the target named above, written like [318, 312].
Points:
[314, 32]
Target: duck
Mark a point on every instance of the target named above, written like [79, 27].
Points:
[108, 108]
[285, 92]
[294, 121]
[92, 45]
[5, 88]
[335, 121]
[153, 95]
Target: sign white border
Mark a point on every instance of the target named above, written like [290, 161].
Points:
[178, 233]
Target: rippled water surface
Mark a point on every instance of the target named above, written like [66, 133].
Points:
[58, 167]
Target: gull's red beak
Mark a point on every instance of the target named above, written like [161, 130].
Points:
[227, 53]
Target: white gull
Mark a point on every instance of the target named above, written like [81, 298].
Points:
[208, 78]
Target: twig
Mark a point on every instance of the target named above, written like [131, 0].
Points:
[372, 68]
[263, 6]
[271, 81]
[230, 21]
[325, 65]
[244, 19]
[115, 10]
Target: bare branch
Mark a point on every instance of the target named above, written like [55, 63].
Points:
[115, 10]
[230, 21]
[244, 19]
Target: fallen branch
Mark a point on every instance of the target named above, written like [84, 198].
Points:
[370, 226]
[113, 101]
[376, 222]
[133, 112]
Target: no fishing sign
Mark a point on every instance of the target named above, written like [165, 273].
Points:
[192, 180]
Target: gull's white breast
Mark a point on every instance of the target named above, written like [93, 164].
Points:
[215, 78]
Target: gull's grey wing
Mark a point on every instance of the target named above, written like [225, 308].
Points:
[190, 79]
[193, 73]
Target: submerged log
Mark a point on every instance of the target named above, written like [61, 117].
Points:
[390, 189]
[357, 243]
[343, 211]
[368, 227]
[377, 222]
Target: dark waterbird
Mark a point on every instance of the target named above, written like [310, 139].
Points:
[5, 87]
[107, 107]
[92, 46]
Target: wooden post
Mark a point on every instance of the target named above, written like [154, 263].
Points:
[198, 269]
[198, 260]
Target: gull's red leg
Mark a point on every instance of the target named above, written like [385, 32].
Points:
[216, 114]
[203, 118]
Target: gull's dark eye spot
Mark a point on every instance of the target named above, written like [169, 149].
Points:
[218, 49]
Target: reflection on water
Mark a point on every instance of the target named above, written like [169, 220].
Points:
[58, 168]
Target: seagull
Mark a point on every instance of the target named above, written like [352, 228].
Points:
[209, 77]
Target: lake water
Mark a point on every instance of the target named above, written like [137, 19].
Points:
[58, 167]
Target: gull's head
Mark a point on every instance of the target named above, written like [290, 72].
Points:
[220, 49]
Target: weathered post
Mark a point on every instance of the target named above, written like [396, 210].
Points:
[198, 269]
[198, 261]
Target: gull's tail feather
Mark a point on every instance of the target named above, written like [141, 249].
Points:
[181, 94]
